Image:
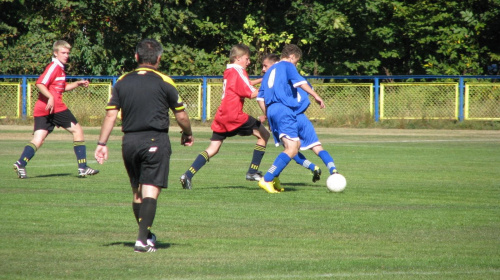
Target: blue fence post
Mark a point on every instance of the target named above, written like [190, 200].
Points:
[204, 98]
[376, 87]
[461, 87]
[24, 102]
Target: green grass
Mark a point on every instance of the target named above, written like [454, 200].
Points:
[418, 205]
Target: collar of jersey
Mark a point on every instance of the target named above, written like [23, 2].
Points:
[234, 66]
[147, 68]
[56, 61]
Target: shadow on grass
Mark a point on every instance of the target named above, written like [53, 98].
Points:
[257, 188]
[54, 175]
[158, 245]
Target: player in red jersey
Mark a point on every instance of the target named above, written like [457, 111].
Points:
[50, 111]
[230, 120]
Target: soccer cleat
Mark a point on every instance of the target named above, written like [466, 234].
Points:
[316, 174]
[151, 239]
[334, 171]
[21, 171]
[141, 248]
[186, 182]
[267, 186]
[277, 184]
[82, 172]
[254, 176]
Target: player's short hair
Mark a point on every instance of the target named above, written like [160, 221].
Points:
[290, 49]
[148, 51]
[237, 51]
[271, 57]
[60, 44]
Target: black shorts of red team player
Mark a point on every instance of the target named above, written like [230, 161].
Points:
[62, 119]
[245, 130]
[146, 156]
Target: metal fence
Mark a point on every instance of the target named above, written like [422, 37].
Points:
[379, 97]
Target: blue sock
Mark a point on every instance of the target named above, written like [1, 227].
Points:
[301, 159]
[28, 153]
[81, 153]
[198, 163]
[328, 160]
[279, 164]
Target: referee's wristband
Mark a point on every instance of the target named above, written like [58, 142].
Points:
[101, 143]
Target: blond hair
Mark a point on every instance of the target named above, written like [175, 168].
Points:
[60, 44]
[238, 51]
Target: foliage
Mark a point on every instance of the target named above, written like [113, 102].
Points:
[340, 37]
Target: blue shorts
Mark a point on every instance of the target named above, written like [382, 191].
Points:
[307, 134]
[282, 122]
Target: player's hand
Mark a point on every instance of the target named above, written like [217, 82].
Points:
[83, 83]
[320, 102]
[262, 119]
[101, 154]
[187, 140]
[50, 105]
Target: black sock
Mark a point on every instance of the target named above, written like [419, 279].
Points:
[258, 153]
[81, 153]
[198, 163]
[146, 218]
[28, 153]
[137, 208]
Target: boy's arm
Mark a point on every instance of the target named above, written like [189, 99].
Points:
[256, 81]
[254, 94]
[45, 91]
[81, 83]
[311, 91]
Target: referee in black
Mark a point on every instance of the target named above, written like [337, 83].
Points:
[144, 97]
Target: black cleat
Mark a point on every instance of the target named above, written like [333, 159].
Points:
[141, 248]
[186, 182]
[254, 176]
[316, 174]
[20, 170]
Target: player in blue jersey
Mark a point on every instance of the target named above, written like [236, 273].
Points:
[307, 133]
[279, 90]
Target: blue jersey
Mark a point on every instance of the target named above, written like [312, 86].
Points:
[279, 85]
[303, 99]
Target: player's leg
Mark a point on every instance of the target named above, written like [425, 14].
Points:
[308, 139]
[326, 158]
[282, 119]
[259, 131]
[68, 121]
[201, 160]
[42, 128]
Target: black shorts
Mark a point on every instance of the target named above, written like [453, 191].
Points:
[62, 119]
[245, 130]
[147, 158]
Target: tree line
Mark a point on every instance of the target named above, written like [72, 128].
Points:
[338, 37]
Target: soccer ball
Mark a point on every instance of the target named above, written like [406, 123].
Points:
[336, 183]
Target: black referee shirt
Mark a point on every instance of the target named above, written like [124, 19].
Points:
[144, 97]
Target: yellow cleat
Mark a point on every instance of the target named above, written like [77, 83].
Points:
[267, 186]
[277, 184]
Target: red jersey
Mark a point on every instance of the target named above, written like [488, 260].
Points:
[54, 78]
[230, 115]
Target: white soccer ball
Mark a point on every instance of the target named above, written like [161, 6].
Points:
[336, 182]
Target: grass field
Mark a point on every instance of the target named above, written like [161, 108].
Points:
[419, 204]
